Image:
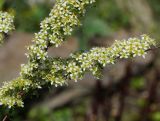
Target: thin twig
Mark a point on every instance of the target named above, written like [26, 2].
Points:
[153, 49]
[5, 118]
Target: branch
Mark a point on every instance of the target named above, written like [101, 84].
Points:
[58, 71]
[42, 70]
[5, 118]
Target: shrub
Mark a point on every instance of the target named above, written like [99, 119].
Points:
[43, 70]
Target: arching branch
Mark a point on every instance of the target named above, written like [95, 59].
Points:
[41, 69]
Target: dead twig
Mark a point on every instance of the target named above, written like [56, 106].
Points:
[5, 118]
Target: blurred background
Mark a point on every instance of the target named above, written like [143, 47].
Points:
[128, 91]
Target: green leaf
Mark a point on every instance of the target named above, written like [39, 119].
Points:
[138, 83]
[95, 26]
[156, 116]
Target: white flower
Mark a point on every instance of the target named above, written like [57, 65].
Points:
[6, 24]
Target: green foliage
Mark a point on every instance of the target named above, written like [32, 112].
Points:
[12, 114]
[109, 12]
[44, 114]
[141, 103]
[156, 116]
[138, 83]
[63, 115]
[41, 114]
[1, 4]
[92, 26]
[155, 7]
[102, 19]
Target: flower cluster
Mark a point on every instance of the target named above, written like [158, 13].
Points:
[78, 64]
[6, 24]
[58, 71]
[12, 93]
[55, 75]
[60, 23]
[42, 70]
